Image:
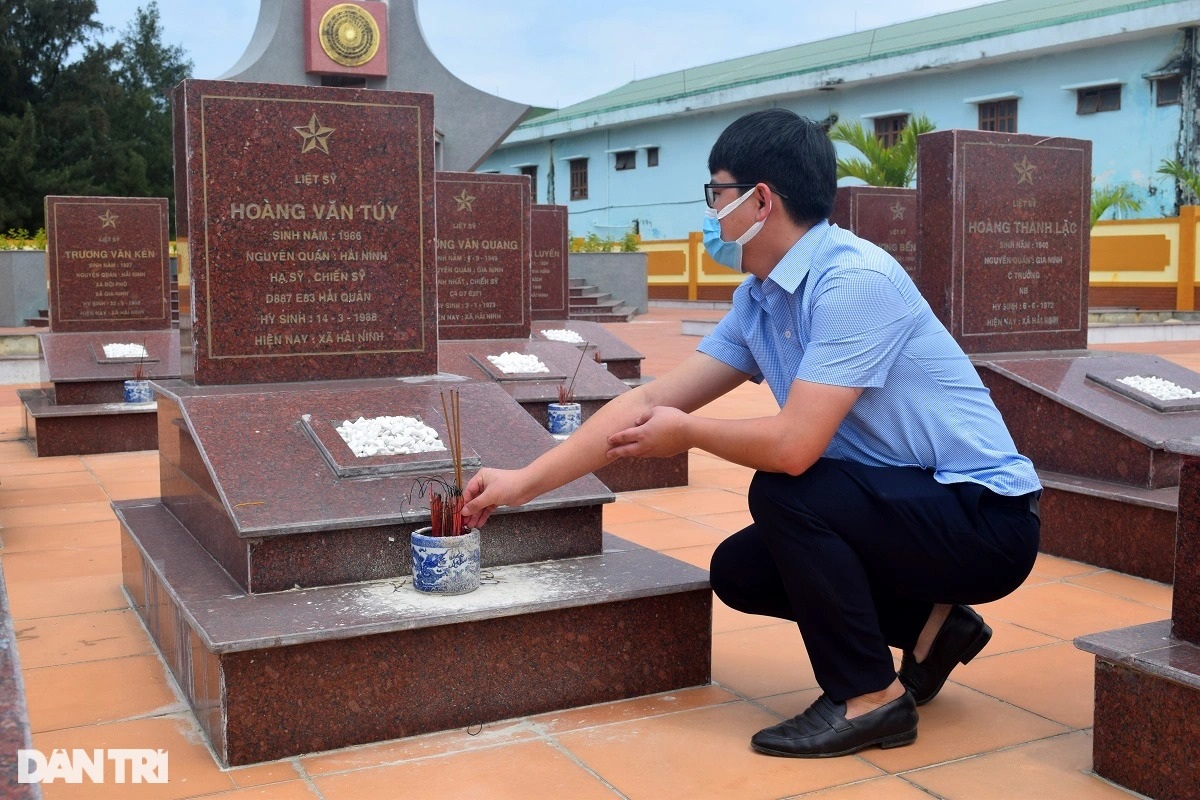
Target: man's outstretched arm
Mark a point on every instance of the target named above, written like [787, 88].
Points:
[694, 383]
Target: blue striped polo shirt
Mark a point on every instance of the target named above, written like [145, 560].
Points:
[840, 311]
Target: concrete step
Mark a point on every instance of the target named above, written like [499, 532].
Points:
[590, 298]
[615, 311]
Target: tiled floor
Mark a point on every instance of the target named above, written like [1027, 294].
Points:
[1012, 724]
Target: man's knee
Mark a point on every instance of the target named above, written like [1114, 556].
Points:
[722, 569]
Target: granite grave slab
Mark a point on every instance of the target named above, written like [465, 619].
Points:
[83, 411]
[885, 216]
[1148, 676]
[622, 360]
[1111, 482]
[594, 386]
[549, 279]
[1004, 238]
[261, 572]
[483, 255]
[109, 283]
[536, 637]
[306, 216]
[107, 263]
[231, 458]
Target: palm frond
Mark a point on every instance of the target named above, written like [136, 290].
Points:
[1118, 198]
[1188, 180]
[879, 165]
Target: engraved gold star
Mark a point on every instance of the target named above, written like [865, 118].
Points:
[464, 201]
[1025, 170]
[109, 219]
[897, 211]
[316, 136]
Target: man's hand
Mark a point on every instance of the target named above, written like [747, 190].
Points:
[489, 489]
[659, 433]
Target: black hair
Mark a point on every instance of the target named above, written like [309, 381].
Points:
[791, 154]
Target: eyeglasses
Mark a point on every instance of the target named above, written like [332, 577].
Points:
[711, 189]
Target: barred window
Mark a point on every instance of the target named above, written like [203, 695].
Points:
[1167, 91]
[579, 175]
[887, 129]
[531, 171]
[1095, 99]
[999, 116]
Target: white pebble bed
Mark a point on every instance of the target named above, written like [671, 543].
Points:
[509, 363]
[1158, 388]
[389, 436]
[125, 351]
[563, 335]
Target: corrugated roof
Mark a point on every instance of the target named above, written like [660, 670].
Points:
[953, 27]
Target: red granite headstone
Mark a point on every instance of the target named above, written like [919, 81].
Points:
[483, 256]
[107, 264]
[549, 271]
[882, 215]
[307, 216]
[1004, 238]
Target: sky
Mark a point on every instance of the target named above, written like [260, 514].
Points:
[554, 52]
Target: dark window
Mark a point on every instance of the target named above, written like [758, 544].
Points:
[999, 116]
[626, 159]
[532, 173]
[578, 178]
[887, 129]
[1098, 98]
[1167, 91]
[651, 156]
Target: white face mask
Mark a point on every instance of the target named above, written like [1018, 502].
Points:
[728, 254]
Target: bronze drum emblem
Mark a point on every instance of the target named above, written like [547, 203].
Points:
[349, 35]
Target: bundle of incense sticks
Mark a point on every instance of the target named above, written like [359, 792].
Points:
[445, 513]
[566, 393]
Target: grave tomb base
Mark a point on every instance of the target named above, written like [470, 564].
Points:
[1148, 676]
[283, 674]
[87, 428]
[621, 360]
[594, 386]
[1147, 691]
[83, 411]
[1111, 484]
[240, 471]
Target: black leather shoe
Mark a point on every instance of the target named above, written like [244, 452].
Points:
[823, 730]
[963, 635]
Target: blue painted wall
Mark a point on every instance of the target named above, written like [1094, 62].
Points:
[667, 202]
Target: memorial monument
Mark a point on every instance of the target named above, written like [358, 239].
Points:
[883, 215]
[109, 283]
[375, 45]
[271, 574]
[1004, 262]
[548, 235]
[552, 297]
[484, 310]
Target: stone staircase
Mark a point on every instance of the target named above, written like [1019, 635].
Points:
[589, 303]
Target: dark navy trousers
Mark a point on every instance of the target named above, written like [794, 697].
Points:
[857, 556]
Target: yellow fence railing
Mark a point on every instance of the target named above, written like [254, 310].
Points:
[1142, 263]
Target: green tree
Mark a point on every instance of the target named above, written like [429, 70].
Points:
[77, 116]
[1119, 197]
[879, 165]
[1187, 181]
